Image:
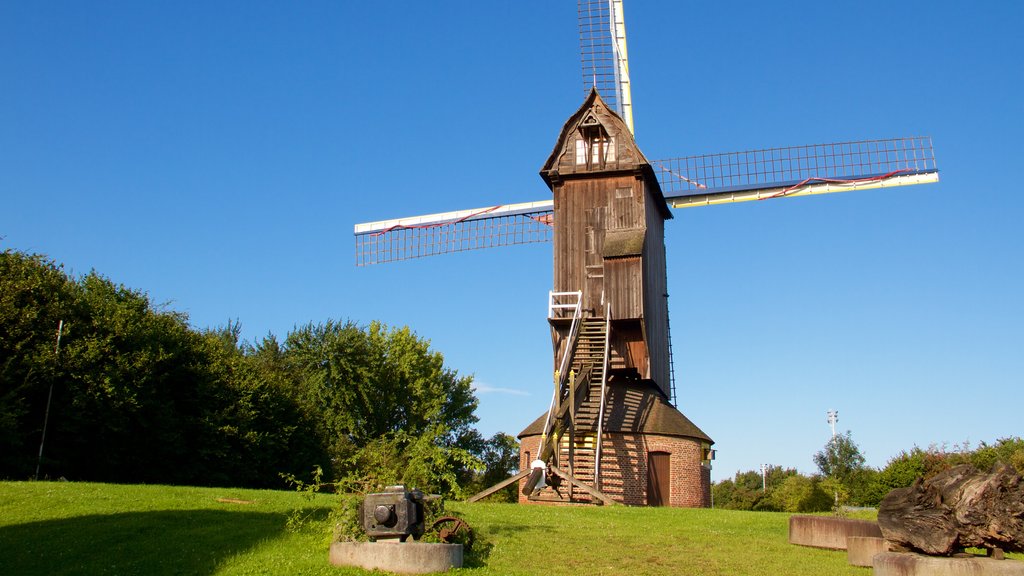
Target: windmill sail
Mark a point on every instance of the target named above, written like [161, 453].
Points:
[796, 171]
[685, 182]
[603, 56]
[432, 234]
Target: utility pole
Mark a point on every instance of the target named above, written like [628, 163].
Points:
[49, 398]
[764, 475]
[833, 417]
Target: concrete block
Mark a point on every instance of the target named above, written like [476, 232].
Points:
[828, 531]
[860, 550]
[400, 557]
[909, 564]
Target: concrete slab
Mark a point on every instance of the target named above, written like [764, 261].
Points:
[909, 564]
[828, 531]
[400, 557]
[861, 550]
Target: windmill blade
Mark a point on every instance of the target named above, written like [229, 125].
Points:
[796, 171]
[603, 56]
[433, 234]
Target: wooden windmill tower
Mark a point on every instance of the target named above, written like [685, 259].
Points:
[612, 432]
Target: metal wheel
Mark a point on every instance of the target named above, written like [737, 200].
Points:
[448, 527]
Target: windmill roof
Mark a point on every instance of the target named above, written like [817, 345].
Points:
[595, 107]
[638, 408]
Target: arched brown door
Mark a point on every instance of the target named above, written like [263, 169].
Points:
[659, 478]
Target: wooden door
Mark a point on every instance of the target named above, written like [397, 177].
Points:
[593, 263]
[659, 478]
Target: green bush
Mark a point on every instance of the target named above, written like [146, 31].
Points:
[906, 467]
[1007, 450]
[799, 493]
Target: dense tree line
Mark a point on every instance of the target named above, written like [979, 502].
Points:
[844, 480]
[140, 396]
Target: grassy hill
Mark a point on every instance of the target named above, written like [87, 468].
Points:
[81, 528]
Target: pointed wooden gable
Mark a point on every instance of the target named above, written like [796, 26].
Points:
[595, 140]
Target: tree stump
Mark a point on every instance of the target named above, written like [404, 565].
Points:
[956, 509]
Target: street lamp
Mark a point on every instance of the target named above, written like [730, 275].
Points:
[833, 417]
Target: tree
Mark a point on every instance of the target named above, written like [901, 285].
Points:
[750, 491]
[140, 396]
[35, 295]
[261, 430]
[387, 406]
[840, 458]
[500, 458]
[841, 462]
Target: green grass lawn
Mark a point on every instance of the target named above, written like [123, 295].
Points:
[80, 528]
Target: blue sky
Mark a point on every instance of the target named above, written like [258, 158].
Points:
[216, 155]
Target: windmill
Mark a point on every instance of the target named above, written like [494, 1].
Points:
[612, 432]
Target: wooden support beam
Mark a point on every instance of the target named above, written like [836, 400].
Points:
[485, 493]
[578, 394]
[589, 490]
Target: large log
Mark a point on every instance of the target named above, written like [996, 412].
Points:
[956, 509]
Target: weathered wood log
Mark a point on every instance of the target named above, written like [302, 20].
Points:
[956, 509]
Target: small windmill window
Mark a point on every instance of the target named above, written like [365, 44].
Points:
[595, 148]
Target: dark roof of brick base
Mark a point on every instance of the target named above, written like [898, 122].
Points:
[636, 407]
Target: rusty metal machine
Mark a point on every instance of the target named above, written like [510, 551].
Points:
[394, 513]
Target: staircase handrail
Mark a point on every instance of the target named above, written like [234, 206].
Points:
[604, 384]
[553, 296]
[577, 317]
[563, 373]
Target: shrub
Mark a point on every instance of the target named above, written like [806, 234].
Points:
[799, 493]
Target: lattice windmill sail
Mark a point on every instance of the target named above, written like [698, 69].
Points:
[685, 182]
[611, 432]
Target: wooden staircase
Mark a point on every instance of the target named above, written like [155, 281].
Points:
[577, 449]
[589, 351]
[571, 442]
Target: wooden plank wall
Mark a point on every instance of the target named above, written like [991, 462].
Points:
[584, 210]
[624, 284]
[656, 303]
